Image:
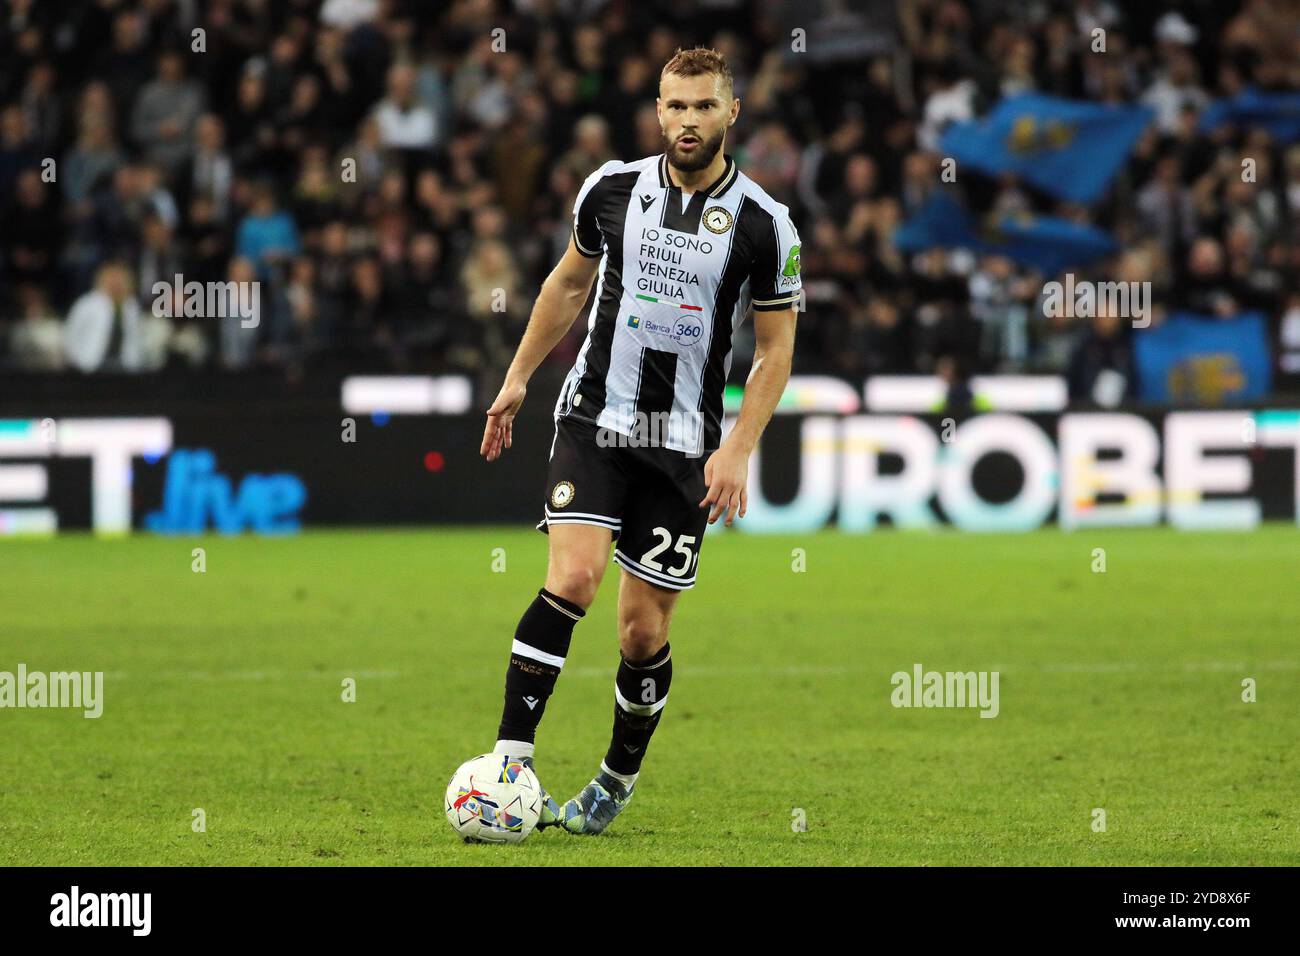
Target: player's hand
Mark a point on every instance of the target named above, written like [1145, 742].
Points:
[727, 474]
[500, 420]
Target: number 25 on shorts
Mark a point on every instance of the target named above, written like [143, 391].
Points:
[683, 548]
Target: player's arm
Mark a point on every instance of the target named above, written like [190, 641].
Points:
[561, 299]
[727, 470]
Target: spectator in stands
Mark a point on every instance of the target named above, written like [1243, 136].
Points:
[238, 337]
[43, 108]
[590, 148]
[160, 258]
[95, 156]
[1175, 88]
[1207, 288]
[1101, 369]
[17, 151]
[209, 171]
[124, 64]
[107, 331]
[31, 234]
[427, 300]
[36, 339]
[267, 236]
[496, 306]
[404, 122]
[1166, 205]
[165, 112]
[304, 336]
[1000, 295]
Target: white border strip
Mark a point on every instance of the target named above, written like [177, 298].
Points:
[654, 577]
[641, 710]
[582, 517]
[526, 650]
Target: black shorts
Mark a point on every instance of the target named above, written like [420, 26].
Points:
[648, 497]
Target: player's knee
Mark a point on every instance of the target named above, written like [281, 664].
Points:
[575, 582]
[641, 635]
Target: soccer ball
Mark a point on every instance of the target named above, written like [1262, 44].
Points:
[493, 799]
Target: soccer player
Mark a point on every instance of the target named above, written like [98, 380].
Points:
[680, 245]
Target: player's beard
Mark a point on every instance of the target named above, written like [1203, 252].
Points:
[699, 157]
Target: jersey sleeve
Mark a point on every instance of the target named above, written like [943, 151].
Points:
[587, 234]
[774, 280]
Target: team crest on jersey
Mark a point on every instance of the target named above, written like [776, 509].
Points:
[716, 219]
[562, 494]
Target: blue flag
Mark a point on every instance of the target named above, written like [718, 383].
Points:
[1200, 360]
[1067, 148]
[1045, 243]
[1279, 113]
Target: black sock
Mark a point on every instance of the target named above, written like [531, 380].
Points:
[541, 643]
[641, 690]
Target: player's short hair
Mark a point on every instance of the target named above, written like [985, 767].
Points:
[699, 61]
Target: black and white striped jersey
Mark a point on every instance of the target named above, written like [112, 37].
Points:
[678, 274]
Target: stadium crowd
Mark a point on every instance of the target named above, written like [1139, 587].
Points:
[400, 174]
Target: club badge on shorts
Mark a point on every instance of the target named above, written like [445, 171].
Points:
[561, 494]
[716, 219]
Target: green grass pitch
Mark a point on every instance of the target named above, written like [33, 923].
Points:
[223, 691]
